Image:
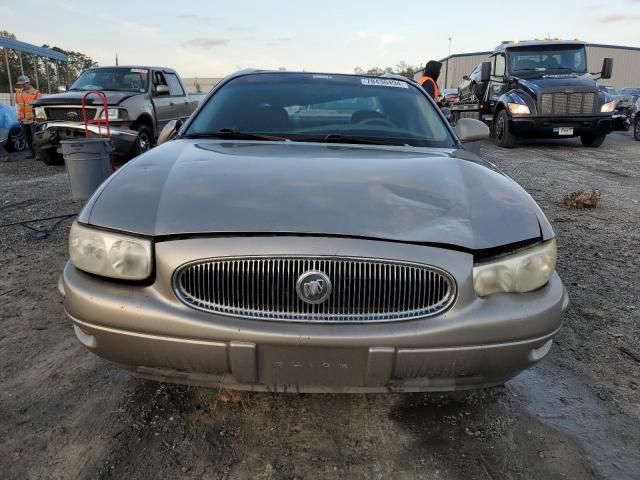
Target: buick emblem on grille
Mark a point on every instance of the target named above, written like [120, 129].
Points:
[72, 116]
[313, 287]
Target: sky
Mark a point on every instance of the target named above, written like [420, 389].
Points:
[215, 38]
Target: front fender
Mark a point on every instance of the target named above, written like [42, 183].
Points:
[141, 106]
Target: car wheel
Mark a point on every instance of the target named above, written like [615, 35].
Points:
[636, 128]
[17, 141]
[144, 142]
[591, 140]
[501, 130]
[49, 156]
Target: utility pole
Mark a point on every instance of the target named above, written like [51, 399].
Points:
[446, 71]
[6, 59]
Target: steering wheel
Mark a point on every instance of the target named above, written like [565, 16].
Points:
[377, 121]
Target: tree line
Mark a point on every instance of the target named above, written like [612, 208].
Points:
[403, 68]
[48, 72]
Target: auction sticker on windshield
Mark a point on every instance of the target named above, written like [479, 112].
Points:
[139, 70]
[384, 82]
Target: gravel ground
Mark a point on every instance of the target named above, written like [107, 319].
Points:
[65, 413]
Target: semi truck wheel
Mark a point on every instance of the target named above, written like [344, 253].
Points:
[501, 131]
[592, 140]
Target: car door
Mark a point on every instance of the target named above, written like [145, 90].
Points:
[180, 101]
[498, 82]
[162, 101]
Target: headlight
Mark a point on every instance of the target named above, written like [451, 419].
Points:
[40, 113]
[109, 254]
[608, 107]
[116, 114]
[518, 273]
[518, 109]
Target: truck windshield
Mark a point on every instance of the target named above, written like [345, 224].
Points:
[555, 59]
[118, 78]
[322, 108]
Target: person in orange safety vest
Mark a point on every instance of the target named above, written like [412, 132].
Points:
[25, 94]
[429, 79]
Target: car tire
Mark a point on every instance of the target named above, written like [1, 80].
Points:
[636, 128]
[144, 142]
[49, 156]
[502, 133]
[17, 142]
[591, 140]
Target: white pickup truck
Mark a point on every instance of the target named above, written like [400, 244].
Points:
[140, 101]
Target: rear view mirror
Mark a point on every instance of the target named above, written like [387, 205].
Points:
[485, 72]
[607, 68]
[466, 77]
[470, 130]
[162, 90]
[169, 131]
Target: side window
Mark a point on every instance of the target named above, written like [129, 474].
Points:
[175, 88]
[499, 66]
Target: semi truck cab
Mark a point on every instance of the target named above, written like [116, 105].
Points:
[542, 89]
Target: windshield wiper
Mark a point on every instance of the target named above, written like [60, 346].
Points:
[234, 134]
[342, 138]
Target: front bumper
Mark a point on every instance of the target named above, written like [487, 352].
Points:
[548, 127]
[146, 329]
[49, 135]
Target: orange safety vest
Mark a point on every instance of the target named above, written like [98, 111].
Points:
[23, 100]
[436, 92]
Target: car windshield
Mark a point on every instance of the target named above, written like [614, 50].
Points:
[629, 91]
[317, 108]
[119, 78]
[562, 59]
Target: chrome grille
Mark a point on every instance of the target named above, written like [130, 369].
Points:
[364, 290]
[68, 114]
[563, 103]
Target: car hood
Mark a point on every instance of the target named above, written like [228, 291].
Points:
[75, 98]
[401, 194]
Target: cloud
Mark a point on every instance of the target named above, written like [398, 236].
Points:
[237, 28]
[618, 17]
[388, 39]
[198, 19]
[138, 28]
[279, 41]
[206, 42]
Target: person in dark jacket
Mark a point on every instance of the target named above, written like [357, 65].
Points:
[429, 78]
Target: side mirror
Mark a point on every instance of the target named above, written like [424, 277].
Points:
[470, 130]
[607, 68]
[162, 90]
[466, 77]
[169, 131]
[485, 72]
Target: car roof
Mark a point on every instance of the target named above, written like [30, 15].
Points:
[392, 76]
[536, 43]
[144, 67]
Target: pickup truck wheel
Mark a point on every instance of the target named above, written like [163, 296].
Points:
[501, 131]
[636, 128]
[591, 140]
[144, 142]
[49, 156]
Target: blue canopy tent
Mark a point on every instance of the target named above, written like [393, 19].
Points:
[23, 47]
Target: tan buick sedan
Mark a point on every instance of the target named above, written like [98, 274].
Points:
[317, 233]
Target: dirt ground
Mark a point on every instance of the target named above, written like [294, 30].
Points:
[65, 413]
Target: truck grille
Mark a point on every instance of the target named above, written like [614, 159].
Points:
[363, 290]
[567, 103]
[67, 114]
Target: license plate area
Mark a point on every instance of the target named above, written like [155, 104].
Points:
[562, 131]
[311, 366]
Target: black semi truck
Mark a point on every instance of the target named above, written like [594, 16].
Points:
[542, 89]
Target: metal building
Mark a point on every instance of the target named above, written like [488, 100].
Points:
[626, 65]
